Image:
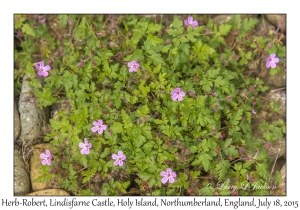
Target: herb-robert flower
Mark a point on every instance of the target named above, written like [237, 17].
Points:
[119, 158]
[177, 94]
[133, 66]
[190, 22]
[42, 69]
[85, 147]
[46, 158]
[168, 175]
[99, 126]
[271, 61]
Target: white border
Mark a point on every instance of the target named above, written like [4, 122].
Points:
[153, 6]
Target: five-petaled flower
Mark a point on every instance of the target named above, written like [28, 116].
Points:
[177, 94]
[99, 126]
[271, 61]
[85, 147]
[133, 66]
[42, 70]
[119, 158]
[46, 158]
[190, 21]
[168, 175]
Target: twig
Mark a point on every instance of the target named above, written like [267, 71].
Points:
[71, 38]
[81, 170]
[274, 164]
[272, 91]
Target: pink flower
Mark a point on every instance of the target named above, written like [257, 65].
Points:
[253, 111]
[168, 175]
[271, 61]
[46, 158]
[177, 94]
[133, 66]
[119, 158]
[99, 126]
[256, 154]
[190, 21]
[85, 147]
[42, 70]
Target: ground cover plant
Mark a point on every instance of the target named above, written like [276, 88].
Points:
[161, 107]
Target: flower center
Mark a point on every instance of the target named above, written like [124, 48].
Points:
[177, 92]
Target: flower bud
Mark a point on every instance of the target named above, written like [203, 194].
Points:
[234, 193]
[70, 22]
[50, 61]
[235, 57]
[235, 33]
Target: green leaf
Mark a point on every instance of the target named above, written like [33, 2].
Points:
[278, 133]
[226, 143]
[275, 107]
[116, 127]
[27, 29]
[19, 22]
[207, 191]
[263, 126]
[151, 182]
[126, 119]
[223, 167]
[262, 170]
[236, 117]
[63, 20]
[204, 159]
[231, 151]
[177, 23]
[142, 111]
[144, 89]
[249, 24]
[139, 140]
[105, 153]
[144, 176]
[154, 40]
[224, 29]
[152, 28]
[246, 126]
[156, 59]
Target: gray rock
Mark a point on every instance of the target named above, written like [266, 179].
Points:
[279, 97]
[50, 192]
[278, 80]
[276, 20]
[277, 149]
[21, 176]
[35, 165]
[17, 124]
[263, 26]
[221, 19]
[33, 119]
[278, 165]
[282, 186]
